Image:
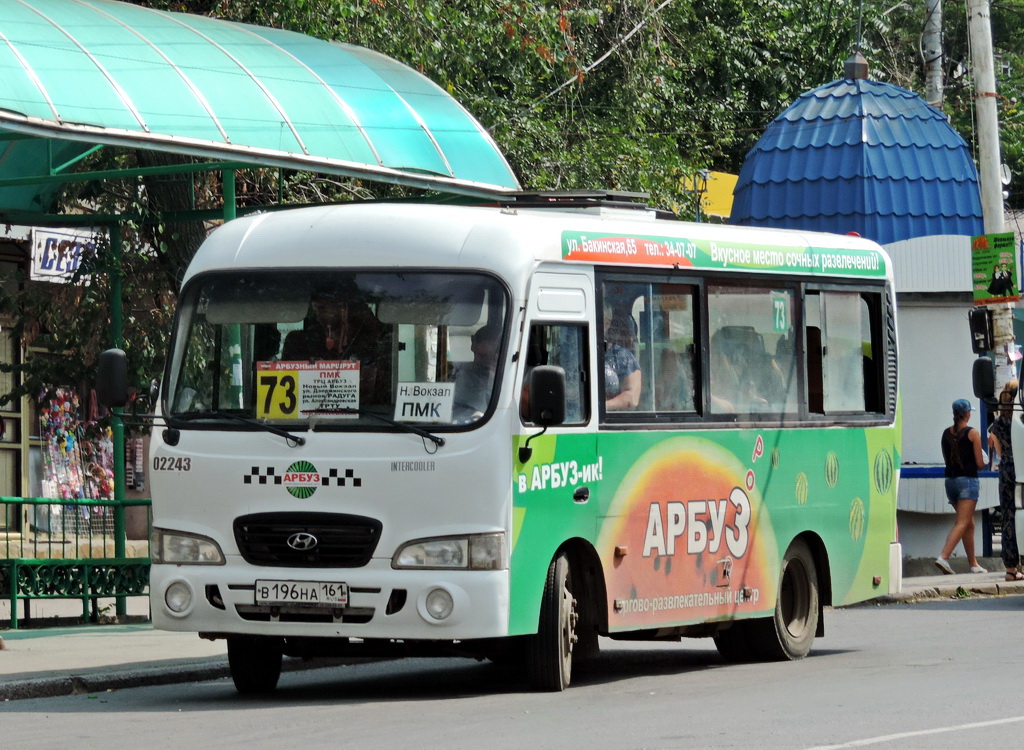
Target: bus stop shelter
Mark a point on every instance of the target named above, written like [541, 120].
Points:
[79, 76]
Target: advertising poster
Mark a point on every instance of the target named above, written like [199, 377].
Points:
[994, 269]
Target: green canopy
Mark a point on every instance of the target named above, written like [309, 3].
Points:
[77, 73]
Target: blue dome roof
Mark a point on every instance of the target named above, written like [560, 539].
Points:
[860, 156]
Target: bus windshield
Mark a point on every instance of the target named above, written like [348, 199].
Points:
[337, 349]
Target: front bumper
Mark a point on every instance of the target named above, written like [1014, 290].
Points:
[383, 603]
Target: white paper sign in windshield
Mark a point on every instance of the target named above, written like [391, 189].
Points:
[424, 402]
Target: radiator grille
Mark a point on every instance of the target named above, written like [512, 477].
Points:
[342, 540]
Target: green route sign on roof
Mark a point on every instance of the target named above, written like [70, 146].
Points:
[714, 254]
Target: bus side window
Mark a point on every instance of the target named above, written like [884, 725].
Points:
[672, 344]
[563, 346]
[845, 352]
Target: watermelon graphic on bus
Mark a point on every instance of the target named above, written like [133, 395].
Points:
[697, 537]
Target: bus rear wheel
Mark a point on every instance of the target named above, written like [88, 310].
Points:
[255, 664]
[790, 632]
[550, 651]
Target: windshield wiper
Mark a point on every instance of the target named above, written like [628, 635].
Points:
[435, 439]
[215, 414]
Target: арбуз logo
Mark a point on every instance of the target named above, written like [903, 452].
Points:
[301, 479]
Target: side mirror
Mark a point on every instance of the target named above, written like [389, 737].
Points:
[112, 378]
[984, 378]
[547, 395]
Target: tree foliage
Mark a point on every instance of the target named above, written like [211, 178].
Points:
[631, 95]
[637, 94]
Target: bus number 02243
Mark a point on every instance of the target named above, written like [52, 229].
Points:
[172, 463]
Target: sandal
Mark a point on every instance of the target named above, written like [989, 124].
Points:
[1014, 575]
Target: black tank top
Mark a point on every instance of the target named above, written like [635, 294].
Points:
[958, 453]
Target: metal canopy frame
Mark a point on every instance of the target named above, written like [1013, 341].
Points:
[80, 74]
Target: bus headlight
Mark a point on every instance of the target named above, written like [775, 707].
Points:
[472, 552]
[179, 548]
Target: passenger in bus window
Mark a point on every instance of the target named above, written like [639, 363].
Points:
[474, 380]
[737, 364]
[674, 388]
[622, 377]
[724, 383]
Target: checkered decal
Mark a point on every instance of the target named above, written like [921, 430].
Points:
[270, 476]
[350, 475]
[262, 477]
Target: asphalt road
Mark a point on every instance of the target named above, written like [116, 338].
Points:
[930, 675]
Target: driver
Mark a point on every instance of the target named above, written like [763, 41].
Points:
[474, 380]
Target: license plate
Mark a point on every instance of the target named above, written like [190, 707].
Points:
[305, 593]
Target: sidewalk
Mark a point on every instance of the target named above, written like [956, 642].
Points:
[76, 659]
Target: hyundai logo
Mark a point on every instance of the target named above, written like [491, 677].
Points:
[302, 541]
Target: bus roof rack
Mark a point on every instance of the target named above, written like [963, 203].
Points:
[576, 199]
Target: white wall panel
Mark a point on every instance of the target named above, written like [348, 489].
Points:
[941, 263]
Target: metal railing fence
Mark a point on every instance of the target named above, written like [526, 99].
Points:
[70, 549]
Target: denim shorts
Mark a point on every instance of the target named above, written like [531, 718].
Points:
[962, 488]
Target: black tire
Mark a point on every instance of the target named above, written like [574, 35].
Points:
[789, 634]
[550, 651]
[255, 664]
[733, 643]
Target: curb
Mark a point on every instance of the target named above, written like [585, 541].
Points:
[101, 682]
[54, 687]
[955, 590]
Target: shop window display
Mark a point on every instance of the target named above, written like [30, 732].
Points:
[77, 463]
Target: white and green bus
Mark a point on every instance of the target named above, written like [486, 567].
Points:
[505, 431]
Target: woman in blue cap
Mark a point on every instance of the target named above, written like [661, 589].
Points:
[961, 450]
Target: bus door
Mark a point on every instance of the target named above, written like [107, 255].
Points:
[556, 489]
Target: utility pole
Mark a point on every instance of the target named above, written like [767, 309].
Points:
[931, 49]
[989, 169]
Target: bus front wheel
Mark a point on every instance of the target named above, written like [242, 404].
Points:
[549, 663]
[790, 632]
[255, 664]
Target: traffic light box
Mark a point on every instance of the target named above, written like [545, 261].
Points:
[980, 319]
